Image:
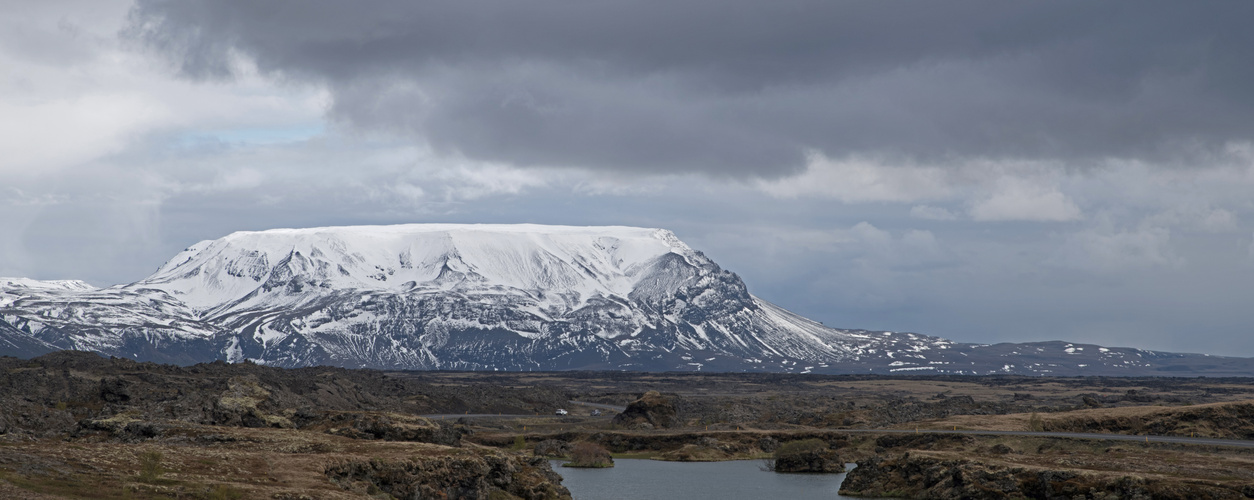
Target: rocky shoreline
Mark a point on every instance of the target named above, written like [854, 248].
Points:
[476, 477]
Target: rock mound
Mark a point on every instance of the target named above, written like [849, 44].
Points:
[552, 448]
[809, 455]
[651, 411]
[589, 455]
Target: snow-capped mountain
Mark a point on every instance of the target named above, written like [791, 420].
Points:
[487, 297]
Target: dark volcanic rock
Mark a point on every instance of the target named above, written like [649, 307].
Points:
[552, 448]
[589, 455]
[651, 411]
[1228, 420]
[921, 477]
[82, 394]
[807, 455]
[909, 411]
[811, 461]
[926, 441]
[464, 477]
[394, 427]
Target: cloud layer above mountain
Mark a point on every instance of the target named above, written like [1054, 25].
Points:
[746, 88]
[978, 170]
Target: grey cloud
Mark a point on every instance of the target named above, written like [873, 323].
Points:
[744, 88]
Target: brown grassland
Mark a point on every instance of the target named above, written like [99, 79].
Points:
[78, 426]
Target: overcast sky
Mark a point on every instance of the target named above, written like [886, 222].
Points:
[983, 171]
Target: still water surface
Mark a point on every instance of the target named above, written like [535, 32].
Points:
[652, 480]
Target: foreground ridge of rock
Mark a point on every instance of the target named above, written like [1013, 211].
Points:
[85, 396]
[480, 477]
[494, 297]
[915, 476]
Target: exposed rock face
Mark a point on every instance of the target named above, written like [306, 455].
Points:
[810, 461]
[552, 448]
[807, 455]
[394, 427]
[922, 477]
[651, 411]
[466, 477]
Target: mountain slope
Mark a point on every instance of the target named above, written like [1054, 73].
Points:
[476, 297]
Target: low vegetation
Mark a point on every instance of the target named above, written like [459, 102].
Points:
[589, 455]
[150, 468]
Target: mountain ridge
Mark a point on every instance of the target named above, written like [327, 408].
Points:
[493, 297]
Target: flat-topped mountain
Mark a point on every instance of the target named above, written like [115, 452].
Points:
[567, 266]
[489, 297]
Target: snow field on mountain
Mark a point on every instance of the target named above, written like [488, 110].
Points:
[556, 260]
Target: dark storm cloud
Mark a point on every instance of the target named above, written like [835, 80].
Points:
[745, 88]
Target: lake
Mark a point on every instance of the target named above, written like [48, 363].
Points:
[653, 479]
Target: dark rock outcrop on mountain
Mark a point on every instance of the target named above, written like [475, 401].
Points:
[18, 343]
